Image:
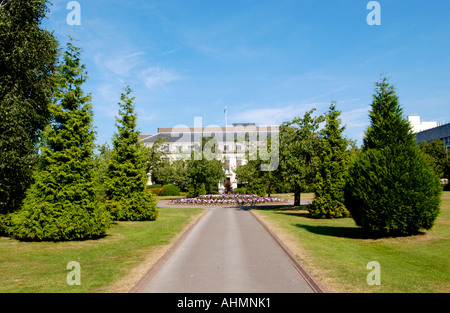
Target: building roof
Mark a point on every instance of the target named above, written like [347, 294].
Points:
[222, 134]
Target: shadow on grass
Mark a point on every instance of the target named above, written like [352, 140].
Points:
[349, 232]
[337, 231]
[278, 207]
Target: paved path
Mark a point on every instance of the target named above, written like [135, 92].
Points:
[227, 251]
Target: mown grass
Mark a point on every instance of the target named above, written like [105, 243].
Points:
[337, 252]
[41, 267]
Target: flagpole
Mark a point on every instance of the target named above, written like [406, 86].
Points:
[226, 119]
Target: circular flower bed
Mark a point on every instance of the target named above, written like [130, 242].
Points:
[232, 199]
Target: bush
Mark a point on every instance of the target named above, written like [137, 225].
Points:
[202, 190]
[171, 190]
[139, 206]
[228, 187]
[46, 221]
[114, 208]
[157, 191]
[240, 191]
[257, 189]
[325, 207]
[5, 223]
[152, 186]
[393, 192]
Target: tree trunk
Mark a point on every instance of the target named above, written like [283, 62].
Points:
[297, 195]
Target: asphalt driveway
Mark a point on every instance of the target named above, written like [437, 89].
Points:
[228, 251]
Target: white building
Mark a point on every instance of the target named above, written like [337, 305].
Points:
[419, 126]
[233, 141]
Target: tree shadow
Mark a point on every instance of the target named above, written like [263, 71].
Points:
[351, 232]
[332, 231]
[337, 231]
[279, 207]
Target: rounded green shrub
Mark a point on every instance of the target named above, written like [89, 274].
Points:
[393, 191]
[139, 206]
[171, 190]
[240, 191]
[58, 220]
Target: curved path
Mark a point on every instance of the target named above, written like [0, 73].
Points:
[227, 251]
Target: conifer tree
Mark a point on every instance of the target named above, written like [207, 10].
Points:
[332, 167]
[126, 176]
[391, 189]
[61, 205]
[28, 56]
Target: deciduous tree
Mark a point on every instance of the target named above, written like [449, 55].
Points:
[28, 56]
[299, 148]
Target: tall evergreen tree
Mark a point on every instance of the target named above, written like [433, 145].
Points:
[28, 56]
[126, 176]
[333, 162]
[391, 189]
[61, 205]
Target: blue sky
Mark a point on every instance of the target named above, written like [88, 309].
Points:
[267, 61]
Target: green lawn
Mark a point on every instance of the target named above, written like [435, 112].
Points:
[41, 267]
[337, 252]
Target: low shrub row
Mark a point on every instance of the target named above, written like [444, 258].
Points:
[166, 190]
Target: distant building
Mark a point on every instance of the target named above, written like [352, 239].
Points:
[441, 132]
[232, 142]
[429, 131]
[418, 125]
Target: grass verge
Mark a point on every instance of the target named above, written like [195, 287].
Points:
[336, 252]
[110, 264]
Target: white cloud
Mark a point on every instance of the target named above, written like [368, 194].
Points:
[120, 64]
[158, 77]
[129, 65]
[357, 118]
[273, 116]
[144, 116]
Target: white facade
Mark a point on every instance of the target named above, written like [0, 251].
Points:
[418, 125]
[233, 141]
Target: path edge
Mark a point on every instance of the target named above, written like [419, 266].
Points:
[315, 285]
[157, 266]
